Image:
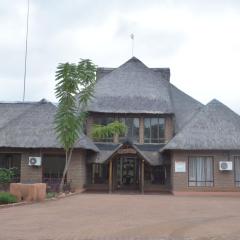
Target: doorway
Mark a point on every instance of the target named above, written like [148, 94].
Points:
[127, 173]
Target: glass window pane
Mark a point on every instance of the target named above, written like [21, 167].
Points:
[147, 127]
[129, 124]
[154, 130]
[161, 129]
[136, 129]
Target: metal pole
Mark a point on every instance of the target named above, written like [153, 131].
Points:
[25, 58]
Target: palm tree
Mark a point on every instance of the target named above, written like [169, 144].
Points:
[74, 89]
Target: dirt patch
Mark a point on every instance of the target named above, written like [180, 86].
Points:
[104, 216]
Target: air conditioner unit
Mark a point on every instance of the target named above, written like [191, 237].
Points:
[35, 161]
[225, 166]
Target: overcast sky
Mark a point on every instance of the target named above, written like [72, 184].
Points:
[198, 40]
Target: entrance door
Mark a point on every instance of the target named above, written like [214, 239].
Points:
[127, 173]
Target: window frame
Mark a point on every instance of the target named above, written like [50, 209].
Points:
[236, 183]
[158, 140]
[196, 182]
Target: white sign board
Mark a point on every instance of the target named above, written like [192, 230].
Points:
[180, 167]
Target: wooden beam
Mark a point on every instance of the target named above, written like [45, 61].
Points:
[142, 177]
[110, 177]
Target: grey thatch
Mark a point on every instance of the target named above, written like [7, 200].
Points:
[132, 88]
[214, 127]
[31, 125]
[185, 107]
[152, 157]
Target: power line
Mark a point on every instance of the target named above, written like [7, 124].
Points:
[25, 57]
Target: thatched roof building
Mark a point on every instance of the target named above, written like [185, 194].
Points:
[132, 88]
[31, 125]
[214, 127]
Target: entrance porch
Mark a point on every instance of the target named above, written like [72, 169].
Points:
[129, 169]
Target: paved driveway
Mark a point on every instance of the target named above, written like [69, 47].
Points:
[103, 216]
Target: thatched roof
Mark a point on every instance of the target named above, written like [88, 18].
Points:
[132, 88]
[214, 127]
[31, 125]
[185, 107]
[108, 150]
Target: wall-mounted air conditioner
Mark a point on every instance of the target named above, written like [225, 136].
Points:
[225, 166]
[35, 161]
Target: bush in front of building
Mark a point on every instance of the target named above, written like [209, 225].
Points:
[6, 176]
[6, 198]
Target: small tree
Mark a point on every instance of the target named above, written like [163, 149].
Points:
[74, 89]
[111, 129]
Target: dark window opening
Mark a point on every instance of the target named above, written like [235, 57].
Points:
[155, 174]
[237, 170]
[52, 170]
[11, 161]
[97, 173]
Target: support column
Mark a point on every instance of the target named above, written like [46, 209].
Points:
[142, 178]
[110, 177]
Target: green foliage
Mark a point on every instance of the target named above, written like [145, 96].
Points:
[6, 198]
[6, 175]
[111, 129]
[51, 195]
[74, 88]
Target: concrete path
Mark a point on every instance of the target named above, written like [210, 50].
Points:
[103, 216]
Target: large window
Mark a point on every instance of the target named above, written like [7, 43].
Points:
[154, 130]
[200, 171]
[132, 128]
[237, 170]
[52, 170]
[11, 161]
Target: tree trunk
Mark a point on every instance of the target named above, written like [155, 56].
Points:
[67, 163]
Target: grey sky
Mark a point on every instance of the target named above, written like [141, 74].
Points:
[198, 40]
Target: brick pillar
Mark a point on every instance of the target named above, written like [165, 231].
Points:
[168, 128]
[77, 170]
[141, 130]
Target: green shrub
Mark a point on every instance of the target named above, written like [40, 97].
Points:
[51, 195]
[6, 175]
[6, 198]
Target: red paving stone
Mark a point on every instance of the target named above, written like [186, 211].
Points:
[104, 216]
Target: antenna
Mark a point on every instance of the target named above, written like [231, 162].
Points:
[25, 57]
[132, 37]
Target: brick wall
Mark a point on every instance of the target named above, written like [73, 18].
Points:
[77, 169]
[224, 181]
[30, 174]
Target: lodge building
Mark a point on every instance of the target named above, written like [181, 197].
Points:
[173, 143]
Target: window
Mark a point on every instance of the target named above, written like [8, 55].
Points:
[237, 170]
[155, 174]
[133, 128]
[154, 130]
[103, 121]
[11, 161]
[97, 173]
[200, 171]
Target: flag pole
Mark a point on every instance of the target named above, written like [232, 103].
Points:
[25, 57]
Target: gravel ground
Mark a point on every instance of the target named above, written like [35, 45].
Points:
[115, 216]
